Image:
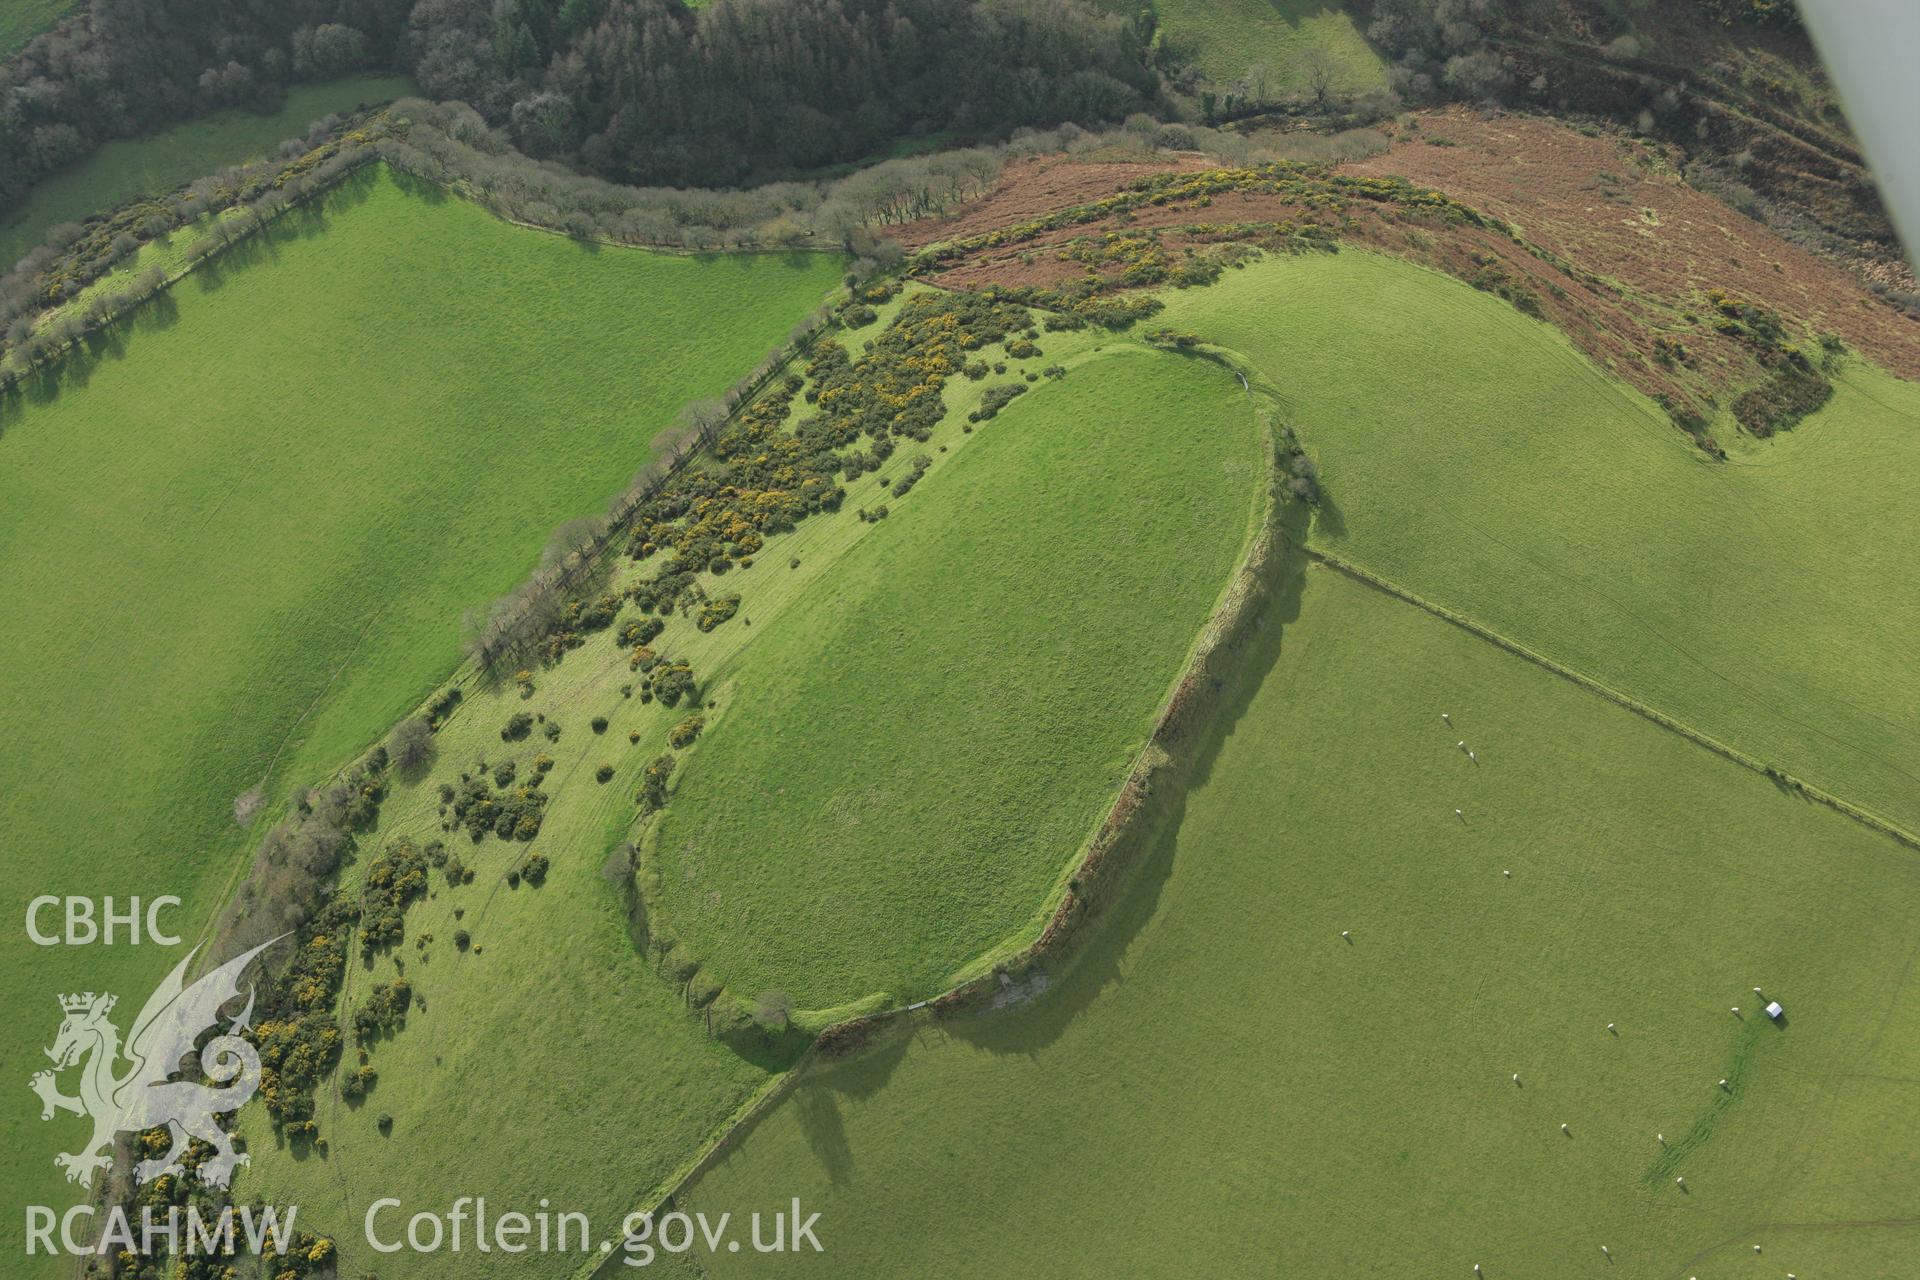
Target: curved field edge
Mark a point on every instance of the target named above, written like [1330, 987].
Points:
[1222, 1023]
[1766, 594]
[320, 491]
[874, 1035]
[1096, 880]
[1094, 875]
[823, 840]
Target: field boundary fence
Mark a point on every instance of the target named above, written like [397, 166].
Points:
[1779, 777]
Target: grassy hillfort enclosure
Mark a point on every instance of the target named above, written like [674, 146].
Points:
[1088, 638]
[817, 856]
[812, 601]
[1261, 1095]
[250, 525]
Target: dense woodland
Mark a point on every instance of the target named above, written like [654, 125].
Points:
[741, 93]
[637, 90]
[648, 91]
[127, 66]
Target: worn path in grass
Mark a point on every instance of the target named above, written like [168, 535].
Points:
[1221, 1085]
[241, 533]
[1471, 457]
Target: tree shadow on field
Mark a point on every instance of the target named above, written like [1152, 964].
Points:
[74, 368]
[794, 259]
[1327, 516]
[304, 221]
[1237, 673]
[819, 1112]
[1294, 13]
[818, 1101]
[419, 188]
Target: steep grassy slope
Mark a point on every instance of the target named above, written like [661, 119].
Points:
[1472, 458]
[1223, 1086]
[131, 167]
[920, 751]
[638, 1061]
[240, 537]
[1274, 47]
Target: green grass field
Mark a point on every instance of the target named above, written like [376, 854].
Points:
[648, 1071]
[1272, 45]
[1472, 457]
[241, 534]
[131, 167]
[916, 754]
[22, 20]
[1223, 1086]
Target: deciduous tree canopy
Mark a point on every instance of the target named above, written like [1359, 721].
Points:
[646, 91]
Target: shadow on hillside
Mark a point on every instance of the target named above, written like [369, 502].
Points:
[1328, 518]
[1099, 963]
[419, 188]
[818, 1101]
[1239, 672]
[819, 1113]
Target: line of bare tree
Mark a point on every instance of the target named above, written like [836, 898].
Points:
[40, 315]
[506, 631]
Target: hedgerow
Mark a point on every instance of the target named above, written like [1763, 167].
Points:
[766, 475]
[234, 203]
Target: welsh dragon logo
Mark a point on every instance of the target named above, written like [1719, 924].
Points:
[142, 1097]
